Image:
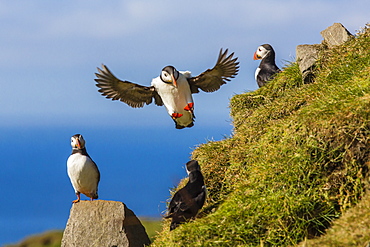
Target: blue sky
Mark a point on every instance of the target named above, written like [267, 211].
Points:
[49, 54]
[50, 50]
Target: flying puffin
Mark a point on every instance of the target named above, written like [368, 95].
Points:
[82, 170]
[267, 69]
[172, 88]
[186, 202]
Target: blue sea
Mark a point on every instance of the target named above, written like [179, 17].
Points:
[138, 166]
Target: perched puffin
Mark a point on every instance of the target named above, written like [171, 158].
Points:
[172, 88]
[186, 202]
[82, 170]
[267, 69]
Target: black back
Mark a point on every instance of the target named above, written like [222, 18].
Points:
[186, 202]
[267, 66]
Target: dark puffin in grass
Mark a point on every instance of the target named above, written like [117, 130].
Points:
[172, 88]
[267, 68]
[186, 202]
[82, 170]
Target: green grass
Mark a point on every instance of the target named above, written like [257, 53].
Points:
[47, 239]
[152, 226]
[298, 157]
[352, 229]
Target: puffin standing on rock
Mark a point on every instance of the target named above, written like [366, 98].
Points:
[186, 202]
[267, 68]
[82, 170]
[172, 88]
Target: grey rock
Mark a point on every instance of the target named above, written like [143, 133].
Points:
[336, 34]
[103, 224]
[306, 56]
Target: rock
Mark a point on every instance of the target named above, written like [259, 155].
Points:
[103, 223]
[336, 34]
[307, 56]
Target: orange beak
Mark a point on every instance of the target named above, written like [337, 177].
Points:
[255, 56]
[174, 81]
[78, 144]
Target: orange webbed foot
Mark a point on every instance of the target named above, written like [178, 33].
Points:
[78, 198]
[176, 115]
[75, 201]
[189, 107]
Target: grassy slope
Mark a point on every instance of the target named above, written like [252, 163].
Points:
[299, 157]
[351, 229]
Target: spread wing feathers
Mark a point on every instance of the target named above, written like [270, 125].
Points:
[212, 79]
[130, 93]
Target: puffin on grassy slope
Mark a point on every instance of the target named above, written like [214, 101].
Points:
[186, 202]
[267, 68]
[172, 88]
[82, 170]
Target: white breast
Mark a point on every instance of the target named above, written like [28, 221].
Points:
[176, 98]
[83, 174]
[256, 73]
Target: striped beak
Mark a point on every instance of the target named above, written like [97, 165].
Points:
[255, 56]
[174, 82]
[78, 144]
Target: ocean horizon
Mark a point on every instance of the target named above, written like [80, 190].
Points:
[138, 167]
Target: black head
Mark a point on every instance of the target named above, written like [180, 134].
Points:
[267, 47]
[264, 51]
[170, 75]
[192, 166]
[77, 142]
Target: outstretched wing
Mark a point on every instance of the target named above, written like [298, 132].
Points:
[130, 93]
[212, 79]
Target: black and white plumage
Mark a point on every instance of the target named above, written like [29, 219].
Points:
[172, 88]
[82, 170]
[267, 68]
[186, 202]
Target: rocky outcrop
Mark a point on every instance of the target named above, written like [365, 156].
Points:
[336, 34]
[103, 223]
[307, 55]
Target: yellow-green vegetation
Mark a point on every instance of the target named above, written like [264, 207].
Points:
[351, 229]
[47, 239]
[152, 226]
[298, 158]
